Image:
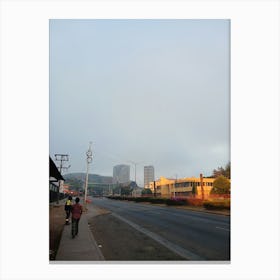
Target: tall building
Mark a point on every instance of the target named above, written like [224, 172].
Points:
[121, 174]
[149, 175]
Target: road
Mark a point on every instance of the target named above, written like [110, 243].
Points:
[192, 235]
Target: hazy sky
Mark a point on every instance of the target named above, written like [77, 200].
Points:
[155, 92]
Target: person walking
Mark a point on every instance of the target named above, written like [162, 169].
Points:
[67, 208]
[77, 210]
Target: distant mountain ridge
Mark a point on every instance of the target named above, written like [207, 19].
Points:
[92, 178]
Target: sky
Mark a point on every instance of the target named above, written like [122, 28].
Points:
[150, 92]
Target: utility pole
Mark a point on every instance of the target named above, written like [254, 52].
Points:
[62, 158]
[175, 186]
[89, 160]
[202, 188]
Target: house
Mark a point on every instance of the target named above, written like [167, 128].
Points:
[55, 179]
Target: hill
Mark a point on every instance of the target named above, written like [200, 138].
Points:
[77, 180]
[93, 178]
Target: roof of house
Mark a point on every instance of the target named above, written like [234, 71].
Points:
[54, 172]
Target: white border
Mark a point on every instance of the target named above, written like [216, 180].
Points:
[254, 141]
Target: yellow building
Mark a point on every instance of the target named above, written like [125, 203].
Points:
[182, 187]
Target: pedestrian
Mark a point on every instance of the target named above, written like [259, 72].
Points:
[77, 210]
[67, 208]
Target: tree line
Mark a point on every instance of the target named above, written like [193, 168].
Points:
[224, 171]
[221, 185]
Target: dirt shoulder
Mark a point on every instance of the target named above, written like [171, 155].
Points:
[56, 225]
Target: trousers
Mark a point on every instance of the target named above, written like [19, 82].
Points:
[67, 212]
[75, 226]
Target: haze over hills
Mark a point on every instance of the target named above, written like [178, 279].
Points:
[76, 181]
[92, 178]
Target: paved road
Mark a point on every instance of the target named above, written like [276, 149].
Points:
[193, 235]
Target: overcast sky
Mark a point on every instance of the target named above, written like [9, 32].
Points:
[154, 92]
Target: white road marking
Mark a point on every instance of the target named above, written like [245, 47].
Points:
[223, 228]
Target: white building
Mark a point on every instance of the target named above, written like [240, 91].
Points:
[121, 174]
[149, 175]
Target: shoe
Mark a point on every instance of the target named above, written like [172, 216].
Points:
[73, 236]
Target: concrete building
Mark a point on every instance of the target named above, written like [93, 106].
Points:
[121, 174]
[182, 187]
[149, 175]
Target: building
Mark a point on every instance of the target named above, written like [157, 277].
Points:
[55, 182]
[121, 174]
[149, 175]
[183, 187]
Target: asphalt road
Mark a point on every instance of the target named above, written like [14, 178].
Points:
[192, 235]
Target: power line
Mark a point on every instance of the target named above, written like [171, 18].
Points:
[62, 158]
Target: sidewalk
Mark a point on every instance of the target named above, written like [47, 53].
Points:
[83, 247]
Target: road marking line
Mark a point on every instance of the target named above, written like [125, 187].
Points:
[223, 228]
[169, 245]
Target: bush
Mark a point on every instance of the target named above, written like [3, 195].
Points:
[146, 191]
[194, 201]
[176, 201]
[141, 199]
[221, 185]
[217, 205]
[158, 200]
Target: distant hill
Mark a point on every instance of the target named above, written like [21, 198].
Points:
[77, 180]
[92, 178]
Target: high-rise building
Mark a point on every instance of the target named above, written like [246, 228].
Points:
[121, 174]
[149, 175]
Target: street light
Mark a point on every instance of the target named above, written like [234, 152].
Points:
[135, 163]
[134, 168]
[89, 160]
